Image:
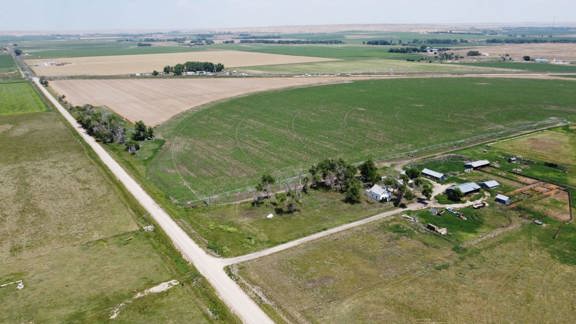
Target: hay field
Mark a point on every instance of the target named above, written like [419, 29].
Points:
[131, 64]
[156, 101]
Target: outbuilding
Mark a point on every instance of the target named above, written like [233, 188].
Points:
[467, 188]
[477, 164]
[379, 193]
[434, 175]
[504, 200]
[490, 184]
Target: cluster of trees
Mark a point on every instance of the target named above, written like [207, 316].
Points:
[474, 53]
[408, 50]
[108, 128]
[339, 176]
[439, 41]
[530, 40]
[144, 45]
[179, 69]
[105, 127]
[286, 202]
[379, 42]
[290, 42]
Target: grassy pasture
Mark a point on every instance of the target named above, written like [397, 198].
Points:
[229, 145]
[73, 236]
[6, 63]
[19, 97]
[394, 274]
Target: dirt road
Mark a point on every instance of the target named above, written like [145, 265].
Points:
[210, 267]
[438, 189]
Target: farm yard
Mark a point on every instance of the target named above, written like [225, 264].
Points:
[228, 146]
[71, 244]
[398, 270]
[133, 64]
[156, 101]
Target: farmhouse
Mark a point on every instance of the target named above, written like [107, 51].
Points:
[434, 175]
[490, 184]
[379, 193]
[504, 200]
[467, 188]
[477, 164]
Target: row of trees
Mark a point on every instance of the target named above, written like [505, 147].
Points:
[193, 66]
[431, 41]
[108, 128]
[530, 40]
[290, 42]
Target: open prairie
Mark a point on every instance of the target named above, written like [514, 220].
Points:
[131, 64]
[156, 101]
[74, 237]
[393, 273]
[229, 145]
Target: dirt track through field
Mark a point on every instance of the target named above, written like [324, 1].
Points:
[132, 64]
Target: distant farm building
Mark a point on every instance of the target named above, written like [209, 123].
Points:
[379, 193]
[467, 188]
[477, 164]
[434, 175]
[504, 200]
[490, 184]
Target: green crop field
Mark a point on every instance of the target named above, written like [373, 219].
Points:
[19, 97]
[75, 240]
[529, 67]
[229, 145]
[343, 52]
[58, 49]
[391, 272]
[6, 63]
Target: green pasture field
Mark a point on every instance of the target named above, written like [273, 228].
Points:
[74, 237]
[391, 272]
[370, 66]
[229, 145]
[19, 97]
[6, 63]
[343, 52]
[58, 49]
[528, 67]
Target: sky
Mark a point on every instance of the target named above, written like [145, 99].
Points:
[90, 15]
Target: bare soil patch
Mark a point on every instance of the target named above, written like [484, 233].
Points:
[156, 101]
[132, 64]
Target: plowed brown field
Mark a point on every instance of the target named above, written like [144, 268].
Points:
[132, 64]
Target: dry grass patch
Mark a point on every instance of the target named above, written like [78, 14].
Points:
[565, 52]
[156, 101]
[390, 274]
[146, 63]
